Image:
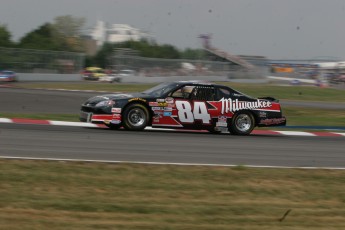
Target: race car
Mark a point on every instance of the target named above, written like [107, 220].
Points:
[184, 105]
[99, 74]
[6, 75]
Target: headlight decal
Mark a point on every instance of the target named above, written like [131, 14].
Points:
[105, 103]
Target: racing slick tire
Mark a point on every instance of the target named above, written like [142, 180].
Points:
[135, 117]
[242, 123]
[113, 126]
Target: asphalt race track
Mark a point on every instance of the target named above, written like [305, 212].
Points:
[41, 141]
[14, 100]
[80, 143]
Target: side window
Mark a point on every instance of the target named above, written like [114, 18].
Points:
[203, 93]
[223, 92]
[183, 92]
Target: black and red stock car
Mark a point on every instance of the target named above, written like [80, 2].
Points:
[185, 105]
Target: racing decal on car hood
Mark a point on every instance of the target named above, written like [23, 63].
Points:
[229, 105]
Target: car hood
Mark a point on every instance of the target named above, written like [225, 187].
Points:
[125, 96]
[115, 96]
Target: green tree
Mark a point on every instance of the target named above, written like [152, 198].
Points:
[5, 37]
[62, 35]
[43, 38]
[102, 57]
[68, 25]
[69, 29]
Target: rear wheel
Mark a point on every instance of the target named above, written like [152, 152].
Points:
[135, 117]
[242, 123]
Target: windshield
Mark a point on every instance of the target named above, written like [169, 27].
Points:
[161, 89]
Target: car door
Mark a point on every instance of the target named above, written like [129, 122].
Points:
[166, 114]
[192, 110]
[187, 107]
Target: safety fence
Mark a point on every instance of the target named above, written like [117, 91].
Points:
[41, 61]
[154, 67]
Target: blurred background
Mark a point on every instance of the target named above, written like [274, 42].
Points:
[243, 41]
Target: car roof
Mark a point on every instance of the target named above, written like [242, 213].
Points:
[197, 82]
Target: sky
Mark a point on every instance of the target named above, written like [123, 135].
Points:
[277, 29]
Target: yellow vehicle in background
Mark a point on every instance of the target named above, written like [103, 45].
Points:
[99, 74]
[93, 73]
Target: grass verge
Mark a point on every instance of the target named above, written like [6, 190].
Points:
[71, 195]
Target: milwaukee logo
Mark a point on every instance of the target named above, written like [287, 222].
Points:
[229, 105]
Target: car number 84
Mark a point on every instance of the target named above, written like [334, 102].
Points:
[187, 114]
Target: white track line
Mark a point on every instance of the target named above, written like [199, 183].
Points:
[296, 133]
[5, 120]
[70, 123]
[343, 134]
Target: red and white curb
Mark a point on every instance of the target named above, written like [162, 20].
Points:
[90, 125]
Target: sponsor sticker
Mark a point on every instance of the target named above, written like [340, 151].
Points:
[167, 114]
[156, 108]
[273, 121]
[162, 104]
[116, 116]
[221, 124]
[115, 122]
[222, 119]
[156, 118]
[169, 100]
[153, 103]
[262, 114]
[137, 99]
[116, 110]
[160, 100]
[158, 112]
[167, 109]
[230, 106]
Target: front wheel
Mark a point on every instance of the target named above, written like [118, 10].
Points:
[135, 117]
[242, 123]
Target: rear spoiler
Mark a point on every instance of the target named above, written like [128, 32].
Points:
[269, 99]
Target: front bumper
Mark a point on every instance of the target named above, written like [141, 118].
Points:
[100, 118]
